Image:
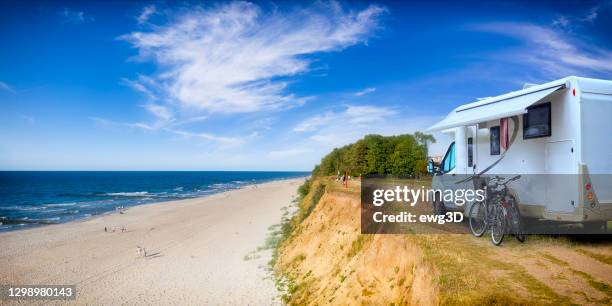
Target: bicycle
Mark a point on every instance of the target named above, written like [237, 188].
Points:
[499, 211]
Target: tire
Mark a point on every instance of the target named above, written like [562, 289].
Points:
[595, 227]
[498, 227]
[476, 218]
[438, 207]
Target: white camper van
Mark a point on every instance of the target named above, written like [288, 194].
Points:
[557, 136]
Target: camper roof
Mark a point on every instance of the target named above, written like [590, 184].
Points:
[506, 105]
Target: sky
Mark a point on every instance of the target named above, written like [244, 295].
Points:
[270, 85]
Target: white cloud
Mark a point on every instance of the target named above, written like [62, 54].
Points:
[146, 13]
[161, 112]
[556, 53]
[139, 125]
[312, 123]
[228, 141]
[367, 114]
[236, 58]
[6, 87]
[352, 114]
[142, 84]
[287, 153]
[159, 126]
[75, 17]
[365, 91]
[583, 18]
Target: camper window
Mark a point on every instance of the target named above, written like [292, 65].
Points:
[536, 122]
[470, 152]
[495, 144]
[448, 163]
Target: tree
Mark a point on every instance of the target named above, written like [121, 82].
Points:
[375, 154]
[424, 140]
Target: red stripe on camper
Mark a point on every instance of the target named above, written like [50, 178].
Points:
[503, 131]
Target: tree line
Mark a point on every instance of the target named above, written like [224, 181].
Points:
[375, 154]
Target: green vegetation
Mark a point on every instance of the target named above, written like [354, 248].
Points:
[357, 245]
[374, 154]
[306, 210]
[280, 233]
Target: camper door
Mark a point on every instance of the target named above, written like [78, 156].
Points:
[448, 179]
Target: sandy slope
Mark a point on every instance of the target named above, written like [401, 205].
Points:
[195, 249]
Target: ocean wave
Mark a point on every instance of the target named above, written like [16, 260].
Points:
[23, 208]
[223, 186]
[60, 204]
[128, 194]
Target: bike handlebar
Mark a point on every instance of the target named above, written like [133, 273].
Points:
[515, 178]
[499, 179]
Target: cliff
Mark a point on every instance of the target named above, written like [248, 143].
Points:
[323, 259]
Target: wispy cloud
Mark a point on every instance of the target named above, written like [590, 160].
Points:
[171, 128]
[352, 114]
[588, 17]
[159, 111]
[235, 57]
[335, 129]
[138, 125]
[365, 91]
[312, 123]
[142, 85]
[6, 87]
[75, 17]
[288, 153]
[228, 141]
[146, 13]
[553, 52]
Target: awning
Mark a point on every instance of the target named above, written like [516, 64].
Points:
[503, 106]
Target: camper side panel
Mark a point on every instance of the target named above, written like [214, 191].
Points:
[597, 152]
[537, 158]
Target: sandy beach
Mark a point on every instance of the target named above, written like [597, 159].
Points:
[195, 251]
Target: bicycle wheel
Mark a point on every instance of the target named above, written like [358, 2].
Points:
[476, 215]
[498, 227]
[515, 220]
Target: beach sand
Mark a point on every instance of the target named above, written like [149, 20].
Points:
[195, 251]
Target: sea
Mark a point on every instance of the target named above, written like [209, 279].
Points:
[35, 198]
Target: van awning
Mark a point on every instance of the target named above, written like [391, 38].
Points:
[503, 106]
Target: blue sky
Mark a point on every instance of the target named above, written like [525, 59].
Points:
[264, 85]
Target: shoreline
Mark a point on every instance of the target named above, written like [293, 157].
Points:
[111, 212]
[196, 250]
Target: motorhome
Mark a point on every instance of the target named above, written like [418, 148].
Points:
[557, 136]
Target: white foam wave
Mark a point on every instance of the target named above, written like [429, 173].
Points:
[129, 194]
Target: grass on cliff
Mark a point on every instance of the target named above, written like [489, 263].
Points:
[304, 204]
[309, 195]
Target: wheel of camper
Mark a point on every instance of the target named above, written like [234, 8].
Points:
[595, 227]
[477, 219]
[498, 226]
[438, 206]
